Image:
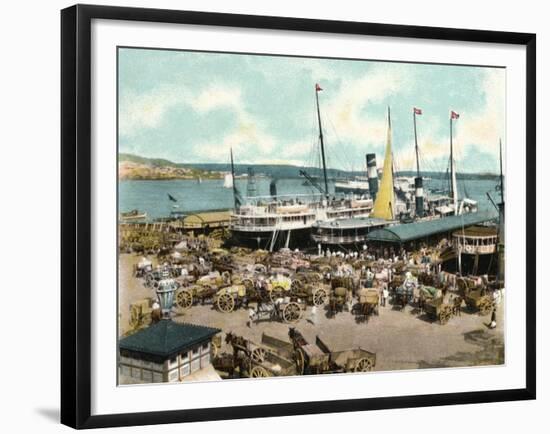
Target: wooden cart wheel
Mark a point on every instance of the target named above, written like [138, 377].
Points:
[184, 298]
[485, 306]
[319, 297]
[300, 361]
[275, 293]
[296, 286]
[364, 365]
[215, 350]
[226, 303]
[258, 371]
[292, 312]
[135, 317]
[258, 355]
[445, 315]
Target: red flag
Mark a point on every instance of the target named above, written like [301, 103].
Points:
[417, 111]
[454, 115]
[317, 87]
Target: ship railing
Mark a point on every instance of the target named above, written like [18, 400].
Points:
[262, 227]
[478, 250]
[334, 239]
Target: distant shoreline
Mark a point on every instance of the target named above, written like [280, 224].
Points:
[134, 167]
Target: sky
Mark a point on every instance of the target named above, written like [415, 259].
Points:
[192, 107]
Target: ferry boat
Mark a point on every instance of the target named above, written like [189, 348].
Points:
[358, 185]
[281, 221]
[285, 221]
[342, 232]
[132, 216]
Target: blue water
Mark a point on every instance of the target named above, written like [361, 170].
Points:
[152, 196]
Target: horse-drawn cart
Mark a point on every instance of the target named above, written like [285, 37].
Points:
[368, 301]
[142, 313]
[479, 300]
[438, 310]
[288, 310]
[259, 360]
[310, 286]
[318, 358]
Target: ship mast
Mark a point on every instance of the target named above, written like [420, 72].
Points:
[317, 90]
[416, 143]
[418, 188]
[501, 231]
[501, 176]
[454, 192]
[235, 193]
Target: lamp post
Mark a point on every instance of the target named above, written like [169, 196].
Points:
[165, 292]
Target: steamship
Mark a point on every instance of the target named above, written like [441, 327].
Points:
[278, 221]
[393, 201]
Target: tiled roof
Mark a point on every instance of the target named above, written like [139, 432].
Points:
[167, 338]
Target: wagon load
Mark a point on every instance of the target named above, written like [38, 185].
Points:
[227, 298]
[438, 309]
[338, 299]
[310, 286]
[405, 292]
[478, 299]
[268, 359]
[283, 309]
[429, 292]
[318, 358]
[369, 300]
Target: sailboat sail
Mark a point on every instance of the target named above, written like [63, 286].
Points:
[228, 181]
[384, 203]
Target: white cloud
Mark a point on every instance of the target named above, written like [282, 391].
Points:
[476, 130]
[347, 110]
[147, 110]
[216, 97]
[483, 127]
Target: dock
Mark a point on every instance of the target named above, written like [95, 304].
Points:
[200, 221]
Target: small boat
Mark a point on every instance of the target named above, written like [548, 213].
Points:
[132, 216]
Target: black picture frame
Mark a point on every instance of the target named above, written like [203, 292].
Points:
[76, 214]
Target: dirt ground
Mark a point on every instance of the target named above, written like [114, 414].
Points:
[400, 339]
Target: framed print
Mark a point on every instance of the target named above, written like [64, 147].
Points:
[267, 216]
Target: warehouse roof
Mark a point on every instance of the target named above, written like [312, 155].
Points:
[166, 338]
[401, 233]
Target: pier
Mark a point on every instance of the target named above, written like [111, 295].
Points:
[199, 221]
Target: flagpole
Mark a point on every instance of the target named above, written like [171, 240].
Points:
[416, 145]
[501, 176]
[451, 167]
[321, 139]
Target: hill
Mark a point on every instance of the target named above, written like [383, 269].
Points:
[136, 167]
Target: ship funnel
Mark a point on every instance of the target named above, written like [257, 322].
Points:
[372, 174]
[251, 184]
[273, 188]
[419, 196]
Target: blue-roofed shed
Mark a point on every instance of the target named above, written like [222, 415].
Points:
[406, 232]
[166, 352]
[167, 338]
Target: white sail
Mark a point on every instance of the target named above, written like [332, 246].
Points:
[228, 181]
